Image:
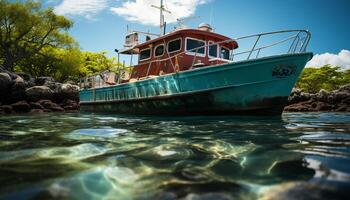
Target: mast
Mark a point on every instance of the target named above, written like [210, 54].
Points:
[161, 17]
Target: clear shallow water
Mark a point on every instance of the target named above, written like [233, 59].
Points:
[85, 156]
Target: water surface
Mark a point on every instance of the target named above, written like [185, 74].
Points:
[91, 156]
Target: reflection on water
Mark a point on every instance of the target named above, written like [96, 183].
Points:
[83, 156]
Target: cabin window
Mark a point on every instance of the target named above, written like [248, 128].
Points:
[192, 43]
[213, 50]
[159, 50]
[145, 54]
[224, 53]
[174, 45]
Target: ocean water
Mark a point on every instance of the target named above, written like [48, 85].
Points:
[93, 156]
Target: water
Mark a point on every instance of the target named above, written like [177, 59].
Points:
[86, 156]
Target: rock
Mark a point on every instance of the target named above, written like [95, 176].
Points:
[47, 104]
[341, 108]
[68, 91]
[43, 79]
[345, 88]
[322, 95]
[297, 96]
[57, 109]
[36, 111]
[340, 96]
[299, 107]
[53, 85]
[346, 101]
[36, 106]
[18, 91]
[5, 81]
[24, 76]
[70, 105]
[36, 93]
[21, 107]
[322, 106]
[6, 109]
[19, 82]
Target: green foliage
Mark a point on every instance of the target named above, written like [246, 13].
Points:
[93, 63]
[27, 30]
[327, 77]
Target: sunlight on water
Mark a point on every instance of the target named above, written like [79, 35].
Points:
[82, 156]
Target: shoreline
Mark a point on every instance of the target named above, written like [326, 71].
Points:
[21, 93]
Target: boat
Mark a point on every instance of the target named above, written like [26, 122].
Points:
[196, 71]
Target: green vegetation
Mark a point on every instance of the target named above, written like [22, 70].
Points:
[327, 77]
[35, 41]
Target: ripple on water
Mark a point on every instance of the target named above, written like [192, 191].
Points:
[78, 152]
[165, 152]
[96, 133]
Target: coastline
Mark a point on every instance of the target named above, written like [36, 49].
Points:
[323, 101]
[21, 93]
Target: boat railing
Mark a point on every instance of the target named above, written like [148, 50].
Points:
[296, 41]
[287, 42]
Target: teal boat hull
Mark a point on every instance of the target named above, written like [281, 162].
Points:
[254, 87]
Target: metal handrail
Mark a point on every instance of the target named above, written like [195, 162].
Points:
[293, 48]
[302, 49]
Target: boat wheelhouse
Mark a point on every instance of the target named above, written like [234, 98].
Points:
[180, 50]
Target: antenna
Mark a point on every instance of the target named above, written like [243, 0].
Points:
[161, 9]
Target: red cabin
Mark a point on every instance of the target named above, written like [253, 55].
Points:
[181, 50]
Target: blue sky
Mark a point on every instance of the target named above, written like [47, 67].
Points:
[100, 25]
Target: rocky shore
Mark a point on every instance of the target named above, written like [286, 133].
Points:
[335, 101]
[21, 93]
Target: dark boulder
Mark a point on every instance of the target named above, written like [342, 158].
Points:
[43, 79]
[5, 81]
[36, 93]
[21, 107]
[24, 76]
[47, 104]
[6, 109]
[67, 91]
[34, 105]
[34, 111]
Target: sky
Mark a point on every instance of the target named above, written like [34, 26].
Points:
[100, 25]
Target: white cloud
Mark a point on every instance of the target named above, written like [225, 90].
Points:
[85, 8]
[140, 11]
[342, 59]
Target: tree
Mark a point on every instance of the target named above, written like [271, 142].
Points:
[61, 64]
[26, 29]
[327, 77]
[93, 63]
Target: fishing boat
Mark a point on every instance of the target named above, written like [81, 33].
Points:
[199, 72]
